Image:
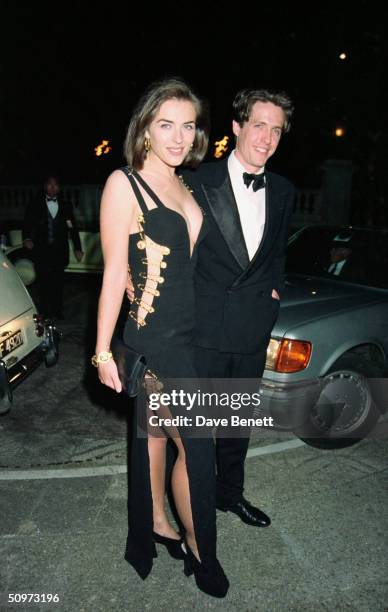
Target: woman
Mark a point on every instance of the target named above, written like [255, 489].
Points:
[148, 205]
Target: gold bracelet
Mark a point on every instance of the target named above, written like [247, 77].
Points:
[102, 357]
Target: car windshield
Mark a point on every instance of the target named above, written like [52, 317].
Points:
[343, 254]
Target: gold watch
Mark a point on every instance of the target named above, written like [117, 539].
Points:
[102, 357]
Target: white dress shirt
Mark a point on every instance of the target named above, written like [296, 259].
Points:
[250, 204]
[336, 268]
[53, 207]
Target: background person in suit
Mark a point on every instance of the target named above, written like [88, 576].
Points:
[339, 256]
[48, 222]
[347, 260]
[239, 271]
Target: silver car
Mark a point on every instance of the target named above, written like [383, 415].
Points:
[327, 357]
[26, 339]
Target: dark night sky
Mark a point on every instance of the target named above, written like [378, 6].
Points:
[70, 77]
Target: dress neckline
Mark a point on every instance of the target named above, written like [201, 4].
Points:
[158, 202]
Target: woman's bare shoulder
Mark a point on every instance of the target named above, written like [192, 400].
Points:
[117, 179]
[119, 188]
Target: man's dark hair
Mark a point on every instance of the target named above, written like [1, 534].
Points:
[48, 177]
[246, 98]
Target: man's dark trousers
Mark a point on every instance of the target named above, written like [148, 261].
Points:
[230, 452]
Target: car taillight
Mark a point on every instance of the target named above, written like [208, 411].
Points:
[39, 324]
[287, 356]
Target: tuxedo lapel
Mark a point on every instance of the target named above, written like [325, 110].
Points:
[43, 210]
[222, 204]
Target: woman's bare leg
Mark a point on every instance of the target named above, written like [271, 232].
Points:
[181, 493]
[157, 457]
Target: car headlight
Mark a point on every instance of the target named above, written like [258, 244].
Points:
[286, 355]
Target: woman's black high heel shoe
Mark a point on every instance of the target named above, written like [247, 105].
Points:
[174, 547]
[210, 579]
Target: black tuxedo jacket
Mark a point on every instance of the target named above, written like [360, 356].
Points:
[235, 310]
[36, 228]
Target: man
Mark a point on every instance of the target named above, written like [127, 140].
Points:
[346, 262]
[339, 256]
[340, 253]
[48, 222]
[240, 266]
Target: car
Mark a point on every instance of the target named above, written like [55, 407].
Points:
[328, 354]
[26, 338]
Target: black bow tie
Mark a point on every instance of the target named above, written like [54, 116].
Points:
[51, 199]
[257, 179]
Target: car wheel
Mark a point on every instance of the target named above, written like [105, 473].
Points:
[5, 391]
[5, 404]
[52, 346]
[51, 357]
[345, 411]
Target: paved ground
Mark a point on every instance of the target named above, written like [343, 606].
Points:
[63, 495]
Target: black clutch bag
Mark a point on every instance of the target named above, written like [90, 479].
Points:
[131, 366]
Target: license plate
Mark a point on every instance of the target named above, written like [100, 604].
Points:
[10, 343]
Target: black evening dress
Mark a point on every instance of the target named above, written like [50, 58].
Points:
[160, 325]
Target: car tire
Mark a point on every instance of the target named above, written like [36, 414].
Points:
[52, 347]
[51, 357]
[5, 391]
[5, 404]
[346, 410]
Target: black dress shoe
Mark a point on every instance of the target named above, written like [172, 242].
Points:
[247, 513]
[174, 547]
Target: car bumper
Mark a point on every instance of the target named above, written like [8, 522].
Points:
[12, 376]
[289, 404]
[18, 372]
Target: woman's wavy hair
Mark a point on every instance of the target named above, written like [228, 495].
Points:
[246, 98]
[146, 110]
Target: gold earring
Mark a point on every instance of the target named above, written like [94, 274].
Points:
[192, 145]
[147, 145]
